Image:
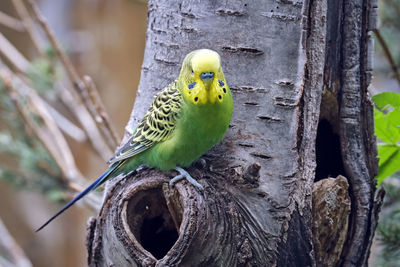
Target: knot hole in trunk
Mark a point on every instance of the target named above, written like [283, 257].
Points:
[327, 145]
[151, 223]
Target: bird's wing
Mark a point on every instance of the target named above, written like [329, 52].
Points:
[156, 126]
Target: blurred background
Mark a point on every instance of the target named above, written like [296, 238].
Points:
[105, 40]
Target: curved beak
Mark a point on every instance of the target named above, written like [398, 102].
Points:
[207, 78]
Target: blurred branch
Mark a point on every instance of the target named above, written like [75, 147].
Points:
[11, 22]
[102, 118]
[66, 125]
[42, 119]
[71, 72]
[18, 62]
[93, 104]
[47, 132]
[10, 250]
[81, 113]
[28, 23]
[8, 51]
[69, 97]
[388, 55]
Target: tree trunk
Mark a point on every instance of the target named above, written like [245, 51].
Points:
[299, 73]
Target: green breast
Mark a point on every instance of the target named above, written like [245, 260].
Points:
[198, 129]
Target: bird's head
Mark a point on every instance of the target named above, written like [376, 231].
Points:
[202, 78]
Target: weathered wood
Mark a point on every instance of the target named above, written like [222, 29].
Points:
[349, 70]
[255, 210]
[331, 211]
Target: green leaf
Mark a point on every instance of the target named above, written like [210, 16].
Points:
[386, 99]
[385, 151]
[394, 118]
[390, 156]
[387, 126]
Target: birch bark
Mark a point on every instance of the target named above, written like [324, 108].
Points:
[299, 72]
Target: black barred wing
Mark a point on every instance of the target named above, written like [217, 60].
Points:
[156, 126]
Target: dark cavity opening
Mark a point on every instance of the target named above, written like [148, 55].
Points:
[328, 153]
[151, 222]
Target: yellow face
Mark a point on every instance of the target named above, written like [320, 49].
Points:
[202, 77]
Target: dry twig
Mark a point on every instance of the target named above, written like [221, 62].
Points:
[39, 131]
[20, 64]
[86, 90]
[388, 55]
[11, 22]
[8, 51]
[102, 119]
[12, 250]
[71, 72]
[48, 133]
[84, 101]
[85, 119]
[65, 125]
[27, 21]
[69, 97]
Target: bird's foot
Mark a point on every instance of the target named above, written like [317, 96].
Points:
[184, 174]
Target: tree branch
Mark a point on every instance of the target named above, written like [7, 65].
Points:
[69, 97]
[86, 90]
[47, 132]
[16, 59]
[388, 55]
[27, 21]
[11, 22]
[102, 118]
[10, 250]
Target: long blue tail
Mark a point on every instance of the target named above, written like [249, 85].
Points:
[99, 181]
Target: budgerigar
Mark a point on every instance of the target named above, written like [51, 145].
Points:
[185, 120]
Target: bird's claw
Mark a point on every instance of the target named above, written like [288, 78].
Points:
[184, 174]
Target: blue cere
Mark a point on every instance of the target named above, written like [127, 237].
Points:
[207, 75]
[221, 83]
[190, 86]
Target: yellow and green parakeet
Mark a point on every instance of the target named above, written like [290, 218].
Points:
[185, 120]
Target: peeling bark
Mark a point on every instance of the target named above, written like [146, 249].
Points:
[291, 65]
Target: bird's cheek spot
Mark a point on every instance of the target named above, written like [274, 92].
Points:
[221, 83]
[191, 85]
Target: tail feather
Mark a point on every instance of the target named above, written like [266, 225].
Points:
[99, 181]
